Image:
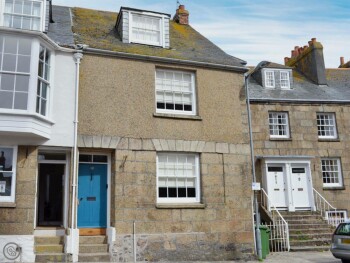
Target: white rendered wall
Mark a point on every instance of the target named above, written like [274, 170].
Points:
[26, 242]
[62, 100]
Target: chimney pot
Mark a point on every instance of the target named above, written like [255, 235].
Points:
[286, 59]
[181, 16]
[313, 39]
[305, 47]
[310, 43]
[341, 61]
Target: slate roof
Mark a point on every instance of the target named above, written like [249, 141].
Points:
[97, 29]
[268, 64]
[303, 90]
[61, 30]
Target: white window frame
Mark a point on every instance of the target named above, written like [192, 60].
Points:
[330, 116]
[267, 84]
[42, 81]
[275, 116]
[132, 39]
[287, 80]
[193, 93]
[41, 17]
[15, 72]
[196, 176]
[338, 172]
[12, 197]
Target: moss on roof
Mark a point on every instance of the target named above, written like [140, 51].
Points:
[97, 29]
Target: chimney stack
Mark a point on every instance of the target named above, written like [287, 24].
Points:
[181, 16]
[342, 61]
[309, 61]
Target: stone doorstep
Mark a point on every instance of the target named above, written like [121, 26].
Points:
[47, 249]
[54, 257]
[57, 240]
[94, 257]
[93, 248]
[92, 240]
[310, 236]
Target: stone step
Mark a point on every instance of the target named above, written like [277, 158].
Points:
[303, 217]
[39, 240]
[47, 249]
[54, 257]
[314, 242]
[310, 236]
[305, 226]
[94, 257]
[311, 230]
[93, 240]
[310, 221]
[309, 248]
[93, 248]
[297, 213]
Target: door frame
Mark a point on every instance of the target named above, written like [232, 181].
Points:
[82, 152]
[65, 188]
[286, 185]
[288, 163]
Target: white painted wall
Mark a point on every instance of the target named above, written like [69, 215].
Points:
[26, 242]
[62, 100]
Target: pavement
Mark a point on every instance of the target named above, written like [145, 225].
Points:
[301, 257]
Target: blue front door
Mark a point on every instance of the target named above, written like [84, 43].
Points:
[92, 194]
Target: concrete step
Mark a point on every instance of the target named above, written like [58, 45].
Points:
[93, 248]
[309, 248]
[297, 213]
[38, 240]
[54, 257]
[93, 240]
[47, 249]
[303, 217]
[313, 242]
[94, 257]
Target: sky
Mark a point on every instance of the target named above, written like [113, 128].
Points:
[256, 30]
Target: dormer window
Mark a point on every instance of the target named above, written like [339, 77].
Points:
[269, 79]
[146, 30]
[143, 27]
[285, 83]
[23, 14]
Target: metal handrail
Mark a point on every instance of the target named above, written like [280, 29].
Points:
[275, 221]
[325, 208]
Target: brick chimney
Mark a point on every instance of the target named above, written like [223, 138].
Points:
[309, 61]
[343, 64]
[181, 16]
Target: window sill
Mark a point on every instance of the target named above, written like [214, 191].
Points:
[181, 206]
[328, 140]
[9, 204]
[281, 139]
[327, 188]
[177, 116]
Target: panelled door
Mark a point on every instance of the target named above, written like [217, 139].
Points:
[277, 186]
[92, 195]
[300, 187]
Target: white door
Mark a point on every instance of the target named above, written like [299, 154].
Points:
[277, 186]
[300, 187]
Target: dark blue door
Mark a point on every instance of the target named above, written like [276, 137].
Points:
[92, 187]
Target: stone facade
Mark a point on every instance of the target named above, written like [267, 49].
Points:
[304, 141]
[117, 112]
[18, 218]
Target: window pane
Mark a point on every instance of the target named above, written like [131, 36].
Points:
[10, 45]
[21, 100]
[27, 8]
[18, 7]
[22, 83]
[7, 82]
[5, 183]
[23, 64]
[43, 107]
[36, 9]
[6, 99]
[9, 63]
[85, 158]
[17, 22]
[8, 6]
[100, 159]
[6, 159]
[24, 47]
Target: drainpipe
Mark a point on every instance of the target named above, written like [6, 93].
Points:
[255, 201]
[77, 56]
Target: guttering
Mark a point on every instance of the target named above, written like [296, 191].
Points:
[39, 34]
[77, 56]
[300, 101]
[256, 231]
[97, 51]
